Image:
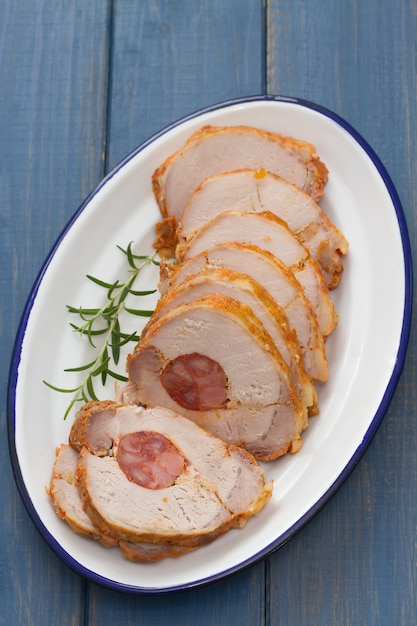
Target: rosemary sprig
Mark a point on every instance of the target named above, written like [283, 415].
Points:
[104, 324]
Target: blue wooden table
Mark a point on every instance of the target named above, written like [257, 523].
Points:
[81, 85]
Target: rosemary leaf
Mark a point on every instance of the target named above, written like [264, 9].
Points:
[71, 406]
[81, 311]
[110, 312]
[130, 257]
[86, 330]
[102, 366]
[90, 389]
[148, 292]
[115, 345]
[85, 315]
[99, 282]
[105, 361]
[112, 289]
[117, 376]
[60, 389]
[80, 368]
[140, 257]
[139, 312]
[123, 339]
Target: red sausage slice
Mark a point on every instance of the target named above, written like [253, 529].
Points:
[195, 382]
[150, 460]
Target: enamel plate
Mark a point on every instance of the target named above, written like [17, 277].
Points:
[365, 353]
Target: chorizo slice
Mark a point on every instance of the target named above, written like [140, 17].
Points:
[149, 459]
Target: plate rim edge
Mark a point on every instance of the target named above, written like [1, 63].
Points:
[370, 432]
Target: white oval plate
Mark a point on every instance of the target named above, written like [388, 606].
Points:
[365, 353]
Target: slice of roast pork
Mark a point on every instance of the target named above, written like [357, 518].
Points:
[63, 491]
[165, 480]
[258, 191]
[216, 149]
[268, 232]
[151, 552]
[68, 505]
[213, 361]
[277, 279]
[241, 287]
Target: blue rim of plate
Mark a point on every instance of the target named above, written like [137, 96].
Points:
[375, 423]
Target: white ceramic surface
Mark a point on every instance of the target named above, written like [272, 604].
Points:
[365, 353]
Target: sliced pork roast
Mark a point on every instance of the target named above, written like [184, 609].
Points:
[241, 287]
[152, 482]
[268, 232]
[259, 191]
[216, 149]
[277, 279]
[66, 499]
[163, 480]
[213, 361]
[224, 372]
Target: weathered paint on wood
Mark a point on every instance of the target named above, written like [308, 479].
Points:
[53, 81]
[356, 563]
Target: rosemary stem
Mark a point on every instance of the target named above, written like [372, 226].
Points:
[120, 306]
[110, 334]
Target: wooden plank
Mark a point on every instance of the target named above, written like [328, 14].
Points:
[356, 562]
[168, 60]
[238, 600]
[53, 76]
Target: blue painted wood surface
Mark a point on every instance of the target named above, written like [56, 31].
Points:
[81, 84]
